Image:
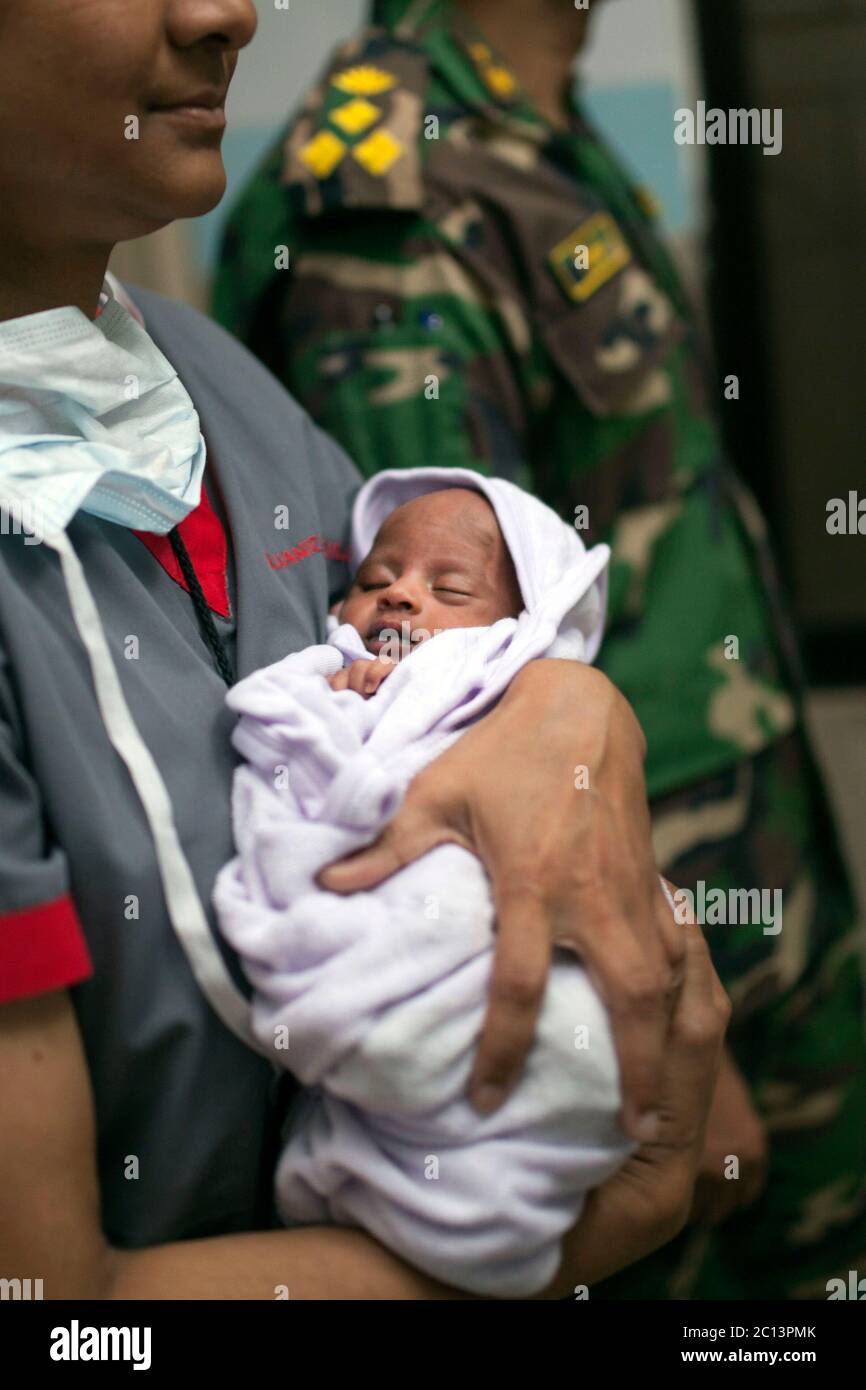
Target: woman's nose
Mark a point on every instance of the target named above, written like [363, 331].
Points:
[225, 24]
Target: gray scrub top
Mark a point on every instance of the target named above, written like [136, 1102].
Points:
[187, 1116]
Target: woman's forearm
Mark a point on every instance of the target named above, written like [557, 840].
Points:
[315, 1262]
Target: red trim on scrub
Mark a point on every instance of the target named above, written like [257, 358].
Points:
[205, 540]
[41, 948]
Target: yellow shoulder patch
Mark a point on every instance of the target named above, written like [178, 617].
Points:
[364, 81]
[589, 256]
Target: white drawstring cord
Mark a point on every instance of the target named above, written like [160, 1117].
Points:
[184, 905]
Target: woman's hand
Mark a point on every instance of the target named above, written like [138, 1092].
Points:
[734, 1130]
[548, 790]
[647, 1202]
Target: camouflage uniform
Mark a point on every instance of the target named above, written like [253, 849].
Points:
[466, 286]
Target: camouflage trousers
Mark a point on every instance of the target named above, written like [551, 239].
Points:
[798, 1033]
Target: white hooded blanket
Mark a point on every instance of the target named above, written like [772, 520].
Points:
[375, 1001]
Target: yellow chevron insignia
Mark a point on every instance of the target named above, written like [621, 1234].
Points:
[500, 81]
[356, 115]
[378, 152]
[323, 153]
[364, 81]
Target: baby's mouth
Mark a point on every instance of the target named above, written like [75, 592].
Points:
[396, 640]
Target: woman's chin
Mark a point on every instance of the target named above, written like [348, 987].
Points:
[202, 191]
[195, 187]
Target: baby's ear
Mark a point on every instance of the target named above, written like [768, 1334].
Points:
[335, 607]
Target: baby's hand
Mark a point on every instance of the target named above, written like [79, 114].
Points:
[364, 676]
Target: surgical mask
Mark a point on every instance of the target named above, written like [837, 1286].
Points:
[94, 418]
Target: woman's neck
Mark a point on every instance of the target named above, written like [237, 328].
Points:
[34, 277]
[539, 41]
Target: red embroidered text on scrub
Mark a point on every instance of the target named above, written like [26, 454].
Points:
[311, 545]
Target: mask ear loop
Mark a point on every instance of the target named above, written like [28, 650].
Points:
[184, 905]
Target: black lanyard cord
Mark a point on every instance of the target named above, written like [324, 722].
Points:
[205, 617]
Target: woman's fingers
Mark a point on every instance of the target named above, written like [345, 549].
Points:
[624, 950]
[637, 999]
[416, 828]
[630, 969]
[670, 929]
[697, 1032]
[520, 969]
[703, 1008]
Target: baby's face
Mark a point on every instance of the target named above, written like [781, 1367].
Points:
[438, 562]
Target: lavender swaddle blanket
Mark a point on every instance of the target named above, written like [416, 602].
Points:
[378, 998]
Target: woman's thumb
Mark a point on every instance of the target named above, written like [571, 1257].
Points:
[411, 833]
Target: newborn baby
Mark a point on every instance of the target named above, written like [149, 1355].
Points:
[375, 1000]
[438, 562]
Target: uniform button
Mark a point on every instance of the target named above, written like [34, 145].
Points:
[428, 318]
[383, 314]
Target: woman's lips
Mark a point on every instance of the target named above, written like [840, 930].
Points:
[196, 103]
[199, 117]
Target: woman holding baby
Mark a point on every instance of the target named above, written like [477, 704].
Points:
[140, 1161]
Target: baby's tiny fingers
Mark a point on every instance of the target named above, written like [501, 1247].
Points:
[379, 669]
[358, 673]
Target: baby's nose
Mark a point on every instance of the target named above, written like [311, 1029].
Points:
[399, 596]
